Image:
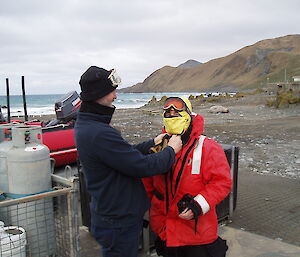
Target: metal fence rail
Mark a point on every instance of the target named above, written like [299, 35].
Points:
[42, 225]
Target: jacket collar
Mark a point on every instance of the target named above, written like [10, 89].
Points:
[195, 129]
[104, 113]
[197, 125]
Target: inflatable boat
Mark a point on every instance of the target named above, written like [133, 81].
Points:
[58, 134]
[60, 141]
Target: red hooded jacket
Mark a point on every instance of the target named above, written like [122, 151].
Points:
[209, 186]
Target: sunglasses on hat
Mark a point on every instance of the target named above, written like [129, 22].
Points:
[114, 78]
[174, 102]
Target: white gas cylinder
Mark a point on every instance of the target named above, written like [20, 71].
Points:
[29, 173]
[28, 162]
[5, 146]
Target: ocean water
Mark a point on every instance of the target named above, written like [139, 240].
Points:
[44, 104]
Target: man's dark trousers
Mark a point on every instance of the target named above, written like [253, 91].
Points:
[118, 242]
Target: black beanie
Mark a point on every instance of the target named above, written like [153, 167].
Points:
[94, 84]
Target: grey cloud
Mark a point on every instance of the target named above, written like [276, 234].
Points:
[53, 42]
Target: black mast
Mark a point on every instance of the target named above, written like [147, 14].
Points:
[7, 100]
[24, 99]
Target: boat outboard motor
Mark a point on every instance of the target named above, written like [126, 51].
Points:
[67, 107]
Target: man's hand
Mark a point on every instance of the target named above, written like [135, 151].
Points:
[159, 138]
[176, 143]
[187, 214]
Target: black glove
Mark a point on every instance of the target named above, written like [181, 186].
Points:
[160, 247]
[187, 201]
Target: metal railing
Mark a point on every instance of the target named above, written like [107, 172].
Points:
[44, 224]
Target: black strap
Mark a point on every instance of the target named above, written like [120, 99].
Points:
[183, 163]
[167, 193]
[196, 209]
[158, 195]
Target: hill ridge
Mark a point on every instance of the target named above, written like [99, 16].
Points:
[247, 68]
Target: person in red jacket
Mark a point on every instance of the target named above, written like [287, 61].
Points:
[183, 201]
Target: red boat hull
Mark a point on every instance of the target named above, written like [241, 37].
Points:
[60, 141]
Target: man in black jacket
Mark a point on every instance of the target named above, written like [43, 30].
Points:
[113, 168]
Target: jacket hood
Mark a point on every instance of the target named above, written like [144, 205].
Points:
[197, 125]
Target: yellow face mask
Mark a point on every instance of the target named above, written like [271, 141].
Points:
[177, 125]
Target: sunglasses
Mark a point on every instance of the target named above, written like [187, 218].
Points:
[114, 78]
[174, 102]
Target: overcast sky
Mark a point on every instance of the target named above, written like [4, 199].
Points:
[53, 42]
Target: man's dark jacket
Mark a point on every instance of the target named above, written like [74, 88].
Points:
[113, 169]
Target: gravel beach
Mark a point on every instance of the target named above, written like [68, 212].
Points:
[268, 138]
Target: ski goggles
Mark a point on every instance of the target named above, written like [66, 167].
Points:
[114, 78]
[176, 103]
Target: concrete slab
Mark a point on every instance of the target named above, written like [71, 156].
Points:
[241, 244]
[245, 244]
[269, 206]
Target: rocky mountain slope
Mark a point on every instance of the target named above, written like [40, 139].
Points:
[250, 67]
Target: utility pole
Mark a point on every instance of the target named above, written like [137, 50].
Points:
[284, 75]
[7, 100]
[24, 99]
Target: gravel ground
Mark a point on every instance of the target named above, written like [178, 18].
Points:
[269, 139]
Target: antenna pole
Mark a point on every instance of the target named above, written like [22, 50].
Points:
[7, 100]
[285, 76]
[24, 99]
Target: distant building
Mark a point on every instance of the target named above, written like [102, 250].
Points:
[296, 78]
[285, 86]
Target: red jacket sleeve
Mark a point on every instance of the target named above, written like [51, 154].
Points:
[216, 176]
[149, 187]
